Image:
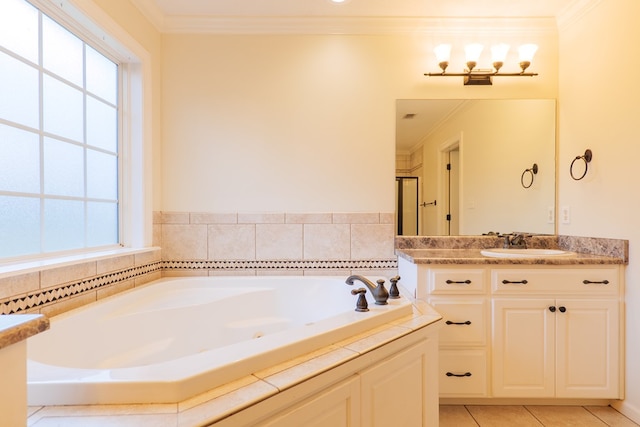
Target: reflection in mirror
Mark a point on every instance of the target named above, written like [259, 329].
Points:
[470, 159]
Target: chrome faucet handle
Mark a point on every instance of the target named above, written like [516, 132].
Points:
[394, 293]
[361, 303]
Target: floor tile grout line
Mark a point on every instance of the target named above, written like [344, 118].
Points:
[533, 415]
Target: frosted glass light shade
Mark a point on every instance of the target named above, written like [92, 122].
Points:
[472, 51]
[443, 52]
[499, 52]
[527, 51]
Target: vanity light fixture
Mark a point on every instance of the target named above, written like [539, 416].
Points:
[477, 76]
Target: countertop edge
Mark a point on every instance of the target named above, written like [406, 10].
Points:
[15, 328]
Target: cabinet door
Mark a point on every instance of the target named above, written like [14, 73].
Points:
[396, 391]
[587, 344]
[523, 348]
[336, 406]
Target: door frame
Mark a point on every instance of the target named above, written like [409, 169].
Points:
[451, 144]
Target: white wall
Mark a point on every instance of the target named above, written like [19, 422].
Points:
[599, 109]
[302, 123]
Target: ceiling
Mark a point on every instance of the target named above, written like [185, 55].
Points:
[355, 16]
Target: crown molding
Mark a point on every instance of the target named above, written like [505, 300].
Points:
[152, 12]
[354, 25]
[574, 12]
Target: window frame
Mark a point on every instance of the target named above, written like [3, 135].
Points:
[94, 27]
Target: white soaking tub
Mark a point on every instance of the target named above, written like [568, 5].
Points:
[177, 337]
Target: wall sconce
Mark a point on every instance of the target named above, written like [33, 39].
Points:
[473, 76]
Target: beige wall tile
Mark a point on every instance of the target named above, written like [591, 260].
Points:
[214, 218]
[19, 285]
[116, 288]
[247, 272]
[67, 304]
[146, 278]
[327, 241]
[308, 218]
[278, 241]
[175, 218]
[372, 241]
[387, 218]
[279, 272]
[356, 218]
[69, 273]
[232, 242]
[184, 273]
[156, 217]
[144, 258]
[114, 264]
[184, 242]
[261, 218]
[156, 237]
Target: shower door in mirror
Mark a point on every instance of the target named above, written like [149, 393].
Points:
[407, 206]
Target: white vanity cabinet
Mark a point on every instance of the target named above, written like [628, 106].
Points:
[526, 331]
[556, 332]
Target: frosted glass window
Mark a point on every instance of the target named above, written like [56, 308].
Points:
[102, 125]
[99, 215]
[63, 109]
[19, 28]
[20, 160]
[61, 52]
[19, 86]
[102, 76]
[59, 118]
[63, 225]
[102, 175]
[20, 226]
[63, 168]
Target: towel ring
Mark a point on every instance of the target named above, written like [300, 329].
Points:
[532, 171]
[586, 157]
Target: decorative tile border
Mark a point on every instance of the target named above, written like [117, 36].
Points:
[280, 265]
[40, 298]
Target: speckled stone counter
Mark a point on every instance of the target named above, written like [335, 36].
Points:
[466, 250]
[18, 327]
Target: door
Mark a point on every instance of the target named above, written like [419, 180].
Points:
[407, 206]
[587, 345]
[523, 348]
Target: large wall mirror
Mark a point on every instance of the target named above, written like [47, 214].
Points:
[481, 166]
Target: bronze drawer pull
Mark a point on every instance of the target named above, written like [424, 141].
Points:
[449, 322]
[451, 374]
[521, 282]
[465, 282]
[589, 282]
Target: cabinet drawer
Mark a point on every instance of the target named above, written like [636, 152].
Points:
[463, 373]
[583, 281]
[465, 321]
[456, 281]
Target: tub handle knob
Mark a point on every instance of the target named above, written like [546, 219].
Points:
[394, 293]
[361, 303]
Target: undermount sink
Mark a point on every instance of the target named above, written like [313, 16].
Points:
[524, 253]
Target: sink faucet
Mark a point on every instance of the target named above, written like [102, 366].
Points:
[514, 241]
[380, 294]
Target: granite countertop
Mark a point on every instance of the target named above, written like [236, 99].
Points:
[18, 327]
[473, 256]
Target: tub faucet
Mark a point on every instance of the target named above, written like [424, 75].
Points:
[379, 292]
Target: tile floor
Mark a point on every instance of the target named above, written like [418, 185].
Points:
[532, 416]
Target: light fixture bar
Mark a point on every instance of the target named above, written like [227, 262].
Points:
[476, 76]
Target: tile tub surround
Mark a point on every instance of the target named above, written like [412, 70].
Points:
[585, 247]
[198, 236]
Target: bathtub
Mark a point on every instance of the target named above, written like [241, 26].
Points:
[178, 337]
